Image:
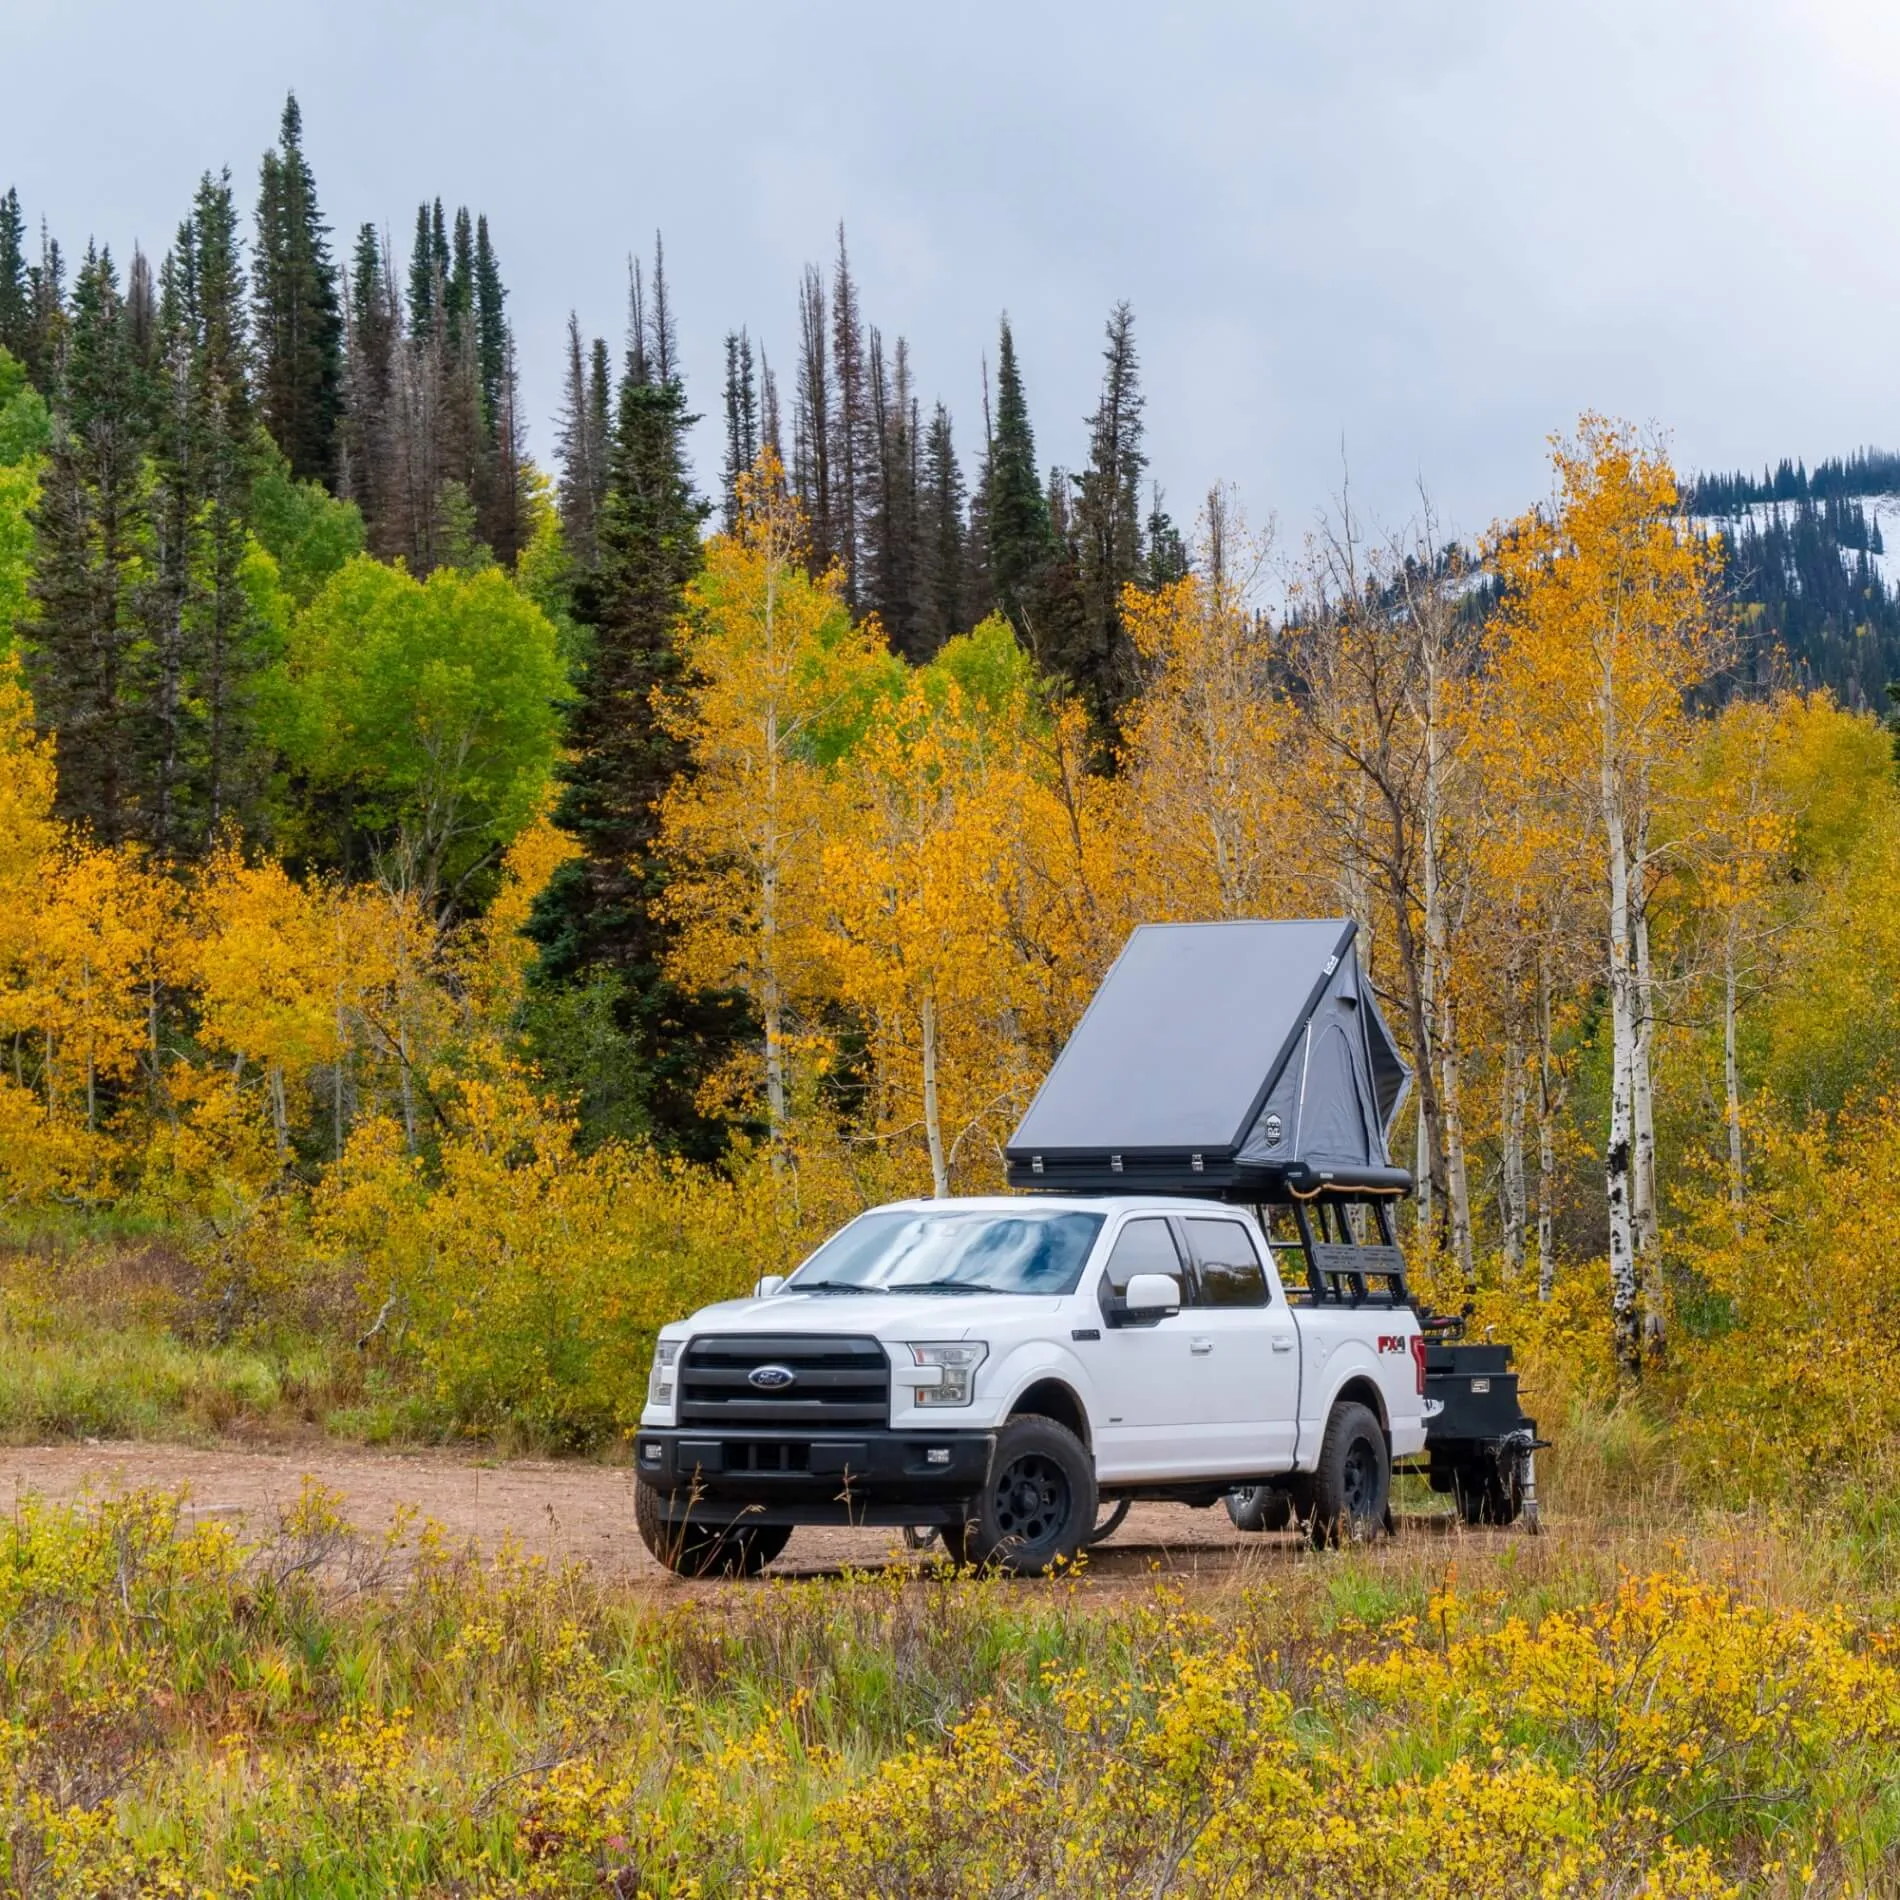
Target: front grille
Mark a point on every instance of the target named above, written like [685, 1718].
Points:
[835, 1382]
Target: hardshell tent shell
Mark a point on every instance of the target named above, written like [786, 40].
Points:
[1241, 1060]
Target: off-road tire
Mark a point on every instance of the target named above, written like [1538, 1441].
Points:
[1259, 1507]
[1036, 1507]
[1489, 1490]
[1107, 1525]
[1352, 1487]
[704, 1550]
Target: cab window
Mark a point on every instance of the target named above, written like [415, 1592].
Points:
[1143, 1246]
[1227, 1270]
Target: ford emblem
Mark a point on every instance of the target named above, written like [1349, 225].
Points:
[771, 1378]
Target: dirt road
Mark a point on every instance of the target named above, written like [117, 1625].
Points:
[558, 1510]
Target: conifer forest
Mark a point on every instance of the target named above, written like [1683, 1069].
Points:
[472, 894]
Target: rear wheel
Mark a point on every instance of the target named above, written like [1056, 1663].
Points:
[1037, 1506]
[1259, 1507]
[1352, 1486]
[705, 1550]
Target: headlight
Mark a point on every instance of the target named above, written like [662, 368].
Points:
[660, 1380]
[955, 1371]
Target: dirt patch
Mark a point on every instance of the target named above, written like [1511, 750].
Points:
[560, 1511]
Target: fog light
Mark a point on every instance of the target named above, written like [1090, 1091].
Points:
[650, 1454]
[937, 1455]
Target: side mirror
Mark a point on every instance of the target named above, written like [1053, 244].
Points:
[770, 1284]
[1152, 1296]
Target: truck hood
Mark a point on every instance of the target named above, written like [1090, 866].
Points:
[882, 1316]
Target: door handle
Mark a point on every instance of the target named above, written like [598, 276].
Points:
[1200, 1346]
[1283, 1345]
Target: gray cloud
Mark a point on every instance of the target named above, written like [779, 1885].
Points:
[1428, 233]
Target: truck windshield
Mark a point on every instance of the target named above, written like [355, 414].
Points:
[924, 1251]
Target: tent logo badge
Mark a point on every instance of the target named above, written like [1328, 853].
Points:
[1273, 1131]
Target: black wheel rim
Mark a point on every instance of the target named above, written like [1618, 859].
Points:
[1359, 1482]
[1029, 1498]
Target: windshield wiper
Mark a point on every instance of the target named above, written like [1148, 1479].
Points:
[944, 1286]
[832, 1286]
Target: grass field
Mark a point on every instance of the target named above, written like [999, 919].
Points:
[1657, 1697]
[1654, 1702]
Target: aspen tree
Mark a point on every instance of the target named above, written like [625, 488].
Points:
[1608, 623]
[776, 678]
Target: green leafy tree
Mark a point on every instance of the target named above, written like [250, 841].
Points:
[307, 531]
[25, 434]
[298, 312]
[421, 720]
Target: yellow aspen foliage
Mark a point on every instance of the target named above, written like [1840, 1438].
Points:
[103, 941]
[494, 958]
[779, 681]
[1213, 821]
[1608, 624]
[923, 884]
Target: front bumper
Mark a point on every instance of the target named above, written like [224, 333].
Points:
[851, 1477]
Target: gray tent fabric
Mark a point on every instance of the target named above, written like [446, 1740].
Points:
[1219, 1058]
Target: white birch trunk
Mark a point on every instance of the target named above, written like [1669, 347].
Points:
[1624, 1326]
[771, 992]
[1511, 1186]
[1732, 1082]
[1457, 1192]
[1643, 1115]
[933, 1124]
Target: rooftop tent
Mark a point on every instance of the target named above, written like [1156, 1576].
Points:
[1239, 1060]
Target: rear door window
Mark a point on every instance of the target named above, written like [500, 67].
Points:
[1227, 1269]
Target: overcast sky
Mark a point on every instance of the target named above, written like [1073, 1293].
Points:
[1423, 235]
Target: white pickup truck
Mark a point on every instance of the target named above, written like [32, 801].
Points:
[1005, 1369]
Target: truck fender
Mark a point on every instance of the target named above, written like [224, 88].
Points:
[1037, 1361]
[1351, 1359]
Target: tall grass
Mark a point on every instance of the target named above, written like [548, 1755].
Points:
[1465, 1714]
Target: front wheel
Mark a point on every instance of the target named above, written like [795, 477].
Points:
[704, 1550]
[1353, 1484]
[1037, 1506]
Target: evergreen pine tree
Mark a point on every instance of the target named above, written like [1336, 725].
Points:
[888, 548]
[598, 923]
[853, 434]
[770, 436]
[93, 539]
[299, 319]
[428, 265]
[811, 422]
[940, 538]
[491, 327]
[1167, 560]
[370, 337]
[1107, 533]
[16, 307]
[141, 320]
[46, 312]
[742, 425]
[1018, 510]
[581, 446]
[200, 763]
